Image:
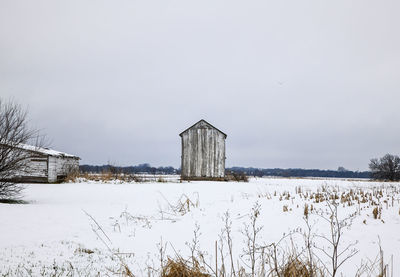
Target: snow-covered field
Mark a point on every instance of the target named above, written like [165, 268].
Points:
[77, 226]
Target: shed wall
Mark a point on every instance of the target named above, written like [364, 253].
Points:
[42, 167]
[34, 169]
[203, 153]
[52, 177]
[59, 167]
[37, 167]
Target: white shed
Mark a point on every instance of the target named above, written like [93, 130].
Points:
[46, 165]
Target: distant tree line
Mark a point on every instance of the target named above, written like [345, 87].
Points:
[141, 168]
[299, 172]
[386, 168]
[249, 171]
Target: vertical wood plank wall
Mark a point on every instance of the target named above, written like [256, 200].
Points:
[203, 152]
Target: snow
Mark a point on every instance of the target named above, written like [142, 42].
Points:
[60, 221]
[45, 151]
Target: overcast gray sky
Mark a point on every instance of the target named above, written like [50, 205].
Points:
[311, 84]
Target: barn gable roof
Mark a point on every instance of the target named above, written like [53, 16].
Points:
[202, 121]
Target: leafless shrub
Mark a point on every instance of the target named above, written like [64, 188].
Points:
[227, 236]
[377, 267]
[335, 252]
[282, 260]
[136, 219]
[309, 237]
[14, 134]
[251, 232]
[124, 269]
[182, 206]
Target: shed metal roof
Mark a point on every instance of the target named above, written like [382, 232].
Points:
[45, 151]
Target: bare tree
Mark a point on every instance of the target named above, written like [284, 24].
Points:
[335, 251]
[14, 134]
[385, 168]
[252, 232]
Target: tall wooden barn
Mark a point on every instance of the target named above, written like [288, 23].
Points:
[203, 152]
[45, 165]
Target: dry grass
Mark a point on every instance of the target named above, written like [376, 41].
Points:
[84, 250]
[237, 177]
[305, 212]
[296, 268]
[72, 176]
[184, 205]
[182, 268]
[377, 212]
[108, 176]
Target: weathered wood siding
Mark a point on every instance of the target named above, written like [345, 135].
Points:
[41, 164]
[42, 167]
[35, 169]
[59, 167]
[203, 152]
[52, 177]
